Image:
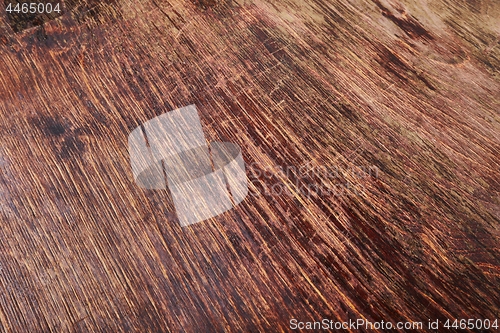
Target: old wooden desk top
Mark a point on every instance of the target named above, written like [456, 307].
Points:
[369, 129]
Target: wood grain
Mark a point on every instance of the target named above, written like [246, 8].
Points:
[407, 89]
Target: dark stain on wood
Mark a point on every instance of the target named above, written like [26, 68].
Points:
[94, 11]
[67, 141]
[49, 126]
[205, 4]
[71, 146]
[406, 22]
[52, 126]
[400, 68]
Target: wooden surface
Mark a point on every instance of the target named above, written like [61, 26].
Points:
[410, 89]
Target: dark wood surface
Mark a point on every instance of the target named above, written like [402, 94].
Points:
[408, 90]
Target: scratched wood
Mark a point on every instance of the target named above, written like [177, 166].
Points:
[399, 100]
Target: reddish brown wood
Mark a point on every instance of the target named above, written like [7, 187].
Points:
[409, 89]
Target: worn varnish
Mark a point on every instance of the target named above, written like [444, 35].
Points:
[409, 90]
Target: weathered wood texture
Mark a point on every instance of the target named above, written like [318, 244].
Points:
[409, 87]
